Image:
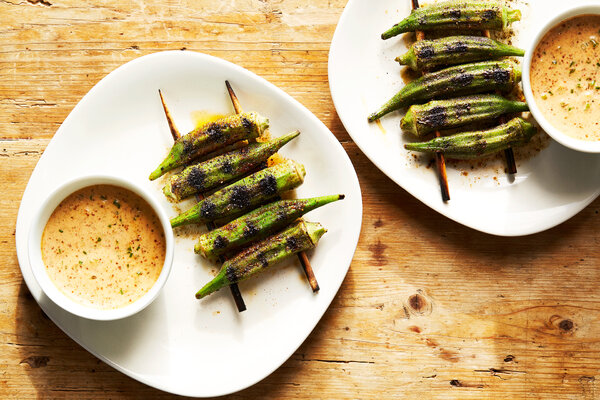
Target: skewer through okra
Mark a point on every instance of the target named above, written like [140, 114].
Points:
[300, 236]
[257, 225]
[422, 119]
[487, 76]
[211, 137]
[476, 144]
[244, 194]
[463, 14]
[212, 173]
[452, 50]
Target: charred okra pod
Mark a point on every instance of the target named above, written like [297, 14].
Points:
[447, 114]
[486, 76]
[211, 137]
[257, 225]
[244, 194]
[212, 173]
[464, 14]
[430, 54]
[300, 236]
[476, 144]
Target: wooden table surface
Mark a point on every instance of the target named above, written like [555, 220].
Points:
[429, 308]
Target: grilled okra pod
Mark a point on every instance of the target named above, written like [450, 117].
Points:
[244, 194]
[452, 50]
[463, 14]
[210, 137]
[486, 76]
[422, 119]
[300, 236]
[212, 173]
[476, 144]
[257, 225]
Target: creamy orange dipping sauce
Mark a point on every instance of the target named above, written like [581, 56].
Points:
[565, 77]
[104, 246]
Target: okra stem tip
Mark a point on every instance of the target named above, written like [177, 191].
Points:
[514, 15]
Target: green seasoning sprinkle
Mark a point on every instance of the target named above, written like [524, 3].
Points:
[571, 71]
[569, 109]
[544, 96]
[121, 291]
[99, 239]
[594, 42]
[139, 273]
[572, 90]
[60, 230]
[587, 106]
[554, 62]
[103, 197]
[572, 63]
[80, 262]
[117, 203]
[550, 93]
[84, 252]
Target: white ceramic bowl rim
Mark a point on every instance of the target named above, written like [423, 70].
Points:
[555, 133]
[38, 266]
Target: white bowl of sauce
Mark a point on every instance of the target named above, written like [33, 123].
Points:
[101, 247]
[561, 78]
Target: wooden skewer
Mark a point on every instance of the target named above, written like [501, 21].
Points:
[235, 290]
[508, 153]
[440, 160]
[308, 271]
[174, 132]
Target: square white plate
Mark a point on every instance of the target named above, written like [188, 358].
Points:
[549, 188]
[179, 344]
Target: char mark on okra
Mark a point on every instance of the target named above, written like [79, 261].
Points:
[227, 167]
[453, 13]
[208, 209]
[268, 185]
[426, 52]
[488, 15]
[231, 274]
[216, 134]
[240, 198]
[436, 116]
[498, 75]
[250, 230]
[221, 242]
[246, 123]
[462, 79]
[196, 179]
[292, 244]
[264, 261]
[457, 47]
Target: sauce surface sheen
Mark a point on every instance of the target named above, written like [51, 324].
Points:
[104, 246]
[565, 77]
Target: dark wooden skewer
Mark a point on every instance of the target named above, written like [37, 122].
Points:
[235, 290]
[440, 160]
[308, 271]
[508, 153]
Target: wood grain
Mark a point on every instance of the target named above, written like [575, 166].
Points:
[429, 309]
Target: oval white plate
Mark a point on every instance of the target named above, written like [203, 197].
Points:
[179, 344]
[549, 188]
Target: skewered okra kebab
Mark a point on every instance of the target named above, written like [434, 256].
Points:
[470, 70]
[264, 236]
